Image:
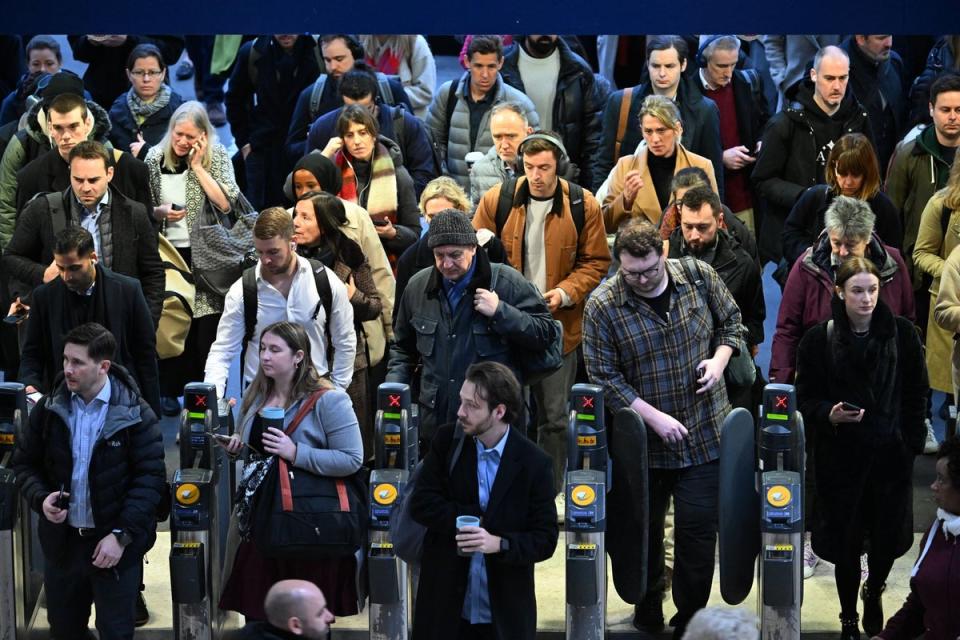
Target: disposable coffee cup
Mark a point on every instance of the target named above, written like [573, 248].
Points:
[466, 521]
[472, 157]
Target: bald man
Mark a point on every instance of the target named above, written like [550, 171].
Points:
[295, 608]
[797, 142]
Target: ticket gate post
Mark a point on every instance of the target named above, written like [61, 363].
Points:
[761, 510]
[19, 582]
[585, 518]
[397, 444]
[200, 516]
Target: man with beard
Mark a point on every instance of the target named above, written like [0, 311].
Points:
[699, 235]
[477, 581]
[562, 87]
[798, 140]
[658, 343]
[86, 291]
[288, 288]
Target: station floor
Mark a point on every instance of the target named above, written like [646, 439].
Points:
[818, 614]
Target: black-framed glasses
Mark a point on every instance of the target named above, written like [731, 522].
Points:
[646, 274]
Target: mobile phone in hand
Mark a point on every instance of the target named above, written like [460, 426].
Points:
[63, 502]
[380, 222]
[849, 406]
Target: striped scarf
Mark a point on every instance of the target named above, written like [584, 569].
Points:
[381, 190]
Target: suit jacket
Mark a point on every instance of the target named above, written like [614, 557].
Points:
[125, 315]
[134, 239]
[521, 509]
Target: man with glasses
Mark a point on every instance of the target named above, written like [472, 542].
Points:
[657, 338]
[462, 311]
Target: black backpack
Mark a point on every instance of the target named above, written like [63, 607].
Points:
[249, 285]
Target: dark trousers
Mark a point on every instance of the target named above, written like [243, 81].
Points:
[695, 498]
[209, 86]
[266, 169]
[475, 631]
[72, 584]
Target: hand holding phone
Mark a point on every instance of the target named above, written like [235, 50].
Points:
[849, 406]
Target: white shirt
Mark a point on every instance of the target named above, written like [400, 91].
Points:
[539, 77]
[173, 189]
[297, 307]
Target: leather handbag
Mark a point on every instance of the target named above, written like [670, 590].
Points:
[298, 512]
[222, 245]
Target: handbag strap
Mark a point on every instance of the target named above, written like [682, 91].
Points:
[286, 493]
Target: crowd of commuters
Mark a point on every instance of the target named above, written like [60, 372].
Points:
[385, 227]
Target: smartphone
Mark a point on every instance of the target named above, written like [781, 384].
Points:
[176, 207]
[700, 372]
[380, 222]
[849, 406]
[63, 502]
[15, 318]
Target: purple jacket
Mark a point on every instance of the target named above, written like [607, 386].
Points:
[807, 294]
[931, 608]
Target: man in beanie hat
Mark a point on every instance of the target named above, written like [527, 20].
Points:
[464, 310]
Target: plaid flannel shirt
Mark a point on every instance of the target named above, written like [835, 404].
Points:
[632, 352]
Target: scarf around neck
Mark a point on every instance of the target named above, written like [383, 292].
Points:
[141, 109]
[381, 188]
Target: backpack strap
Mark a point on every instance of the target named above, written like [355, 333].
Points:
[399, 127]
[321, 278]
[383, 85]
[451, 100]
[316, 93]
[577, 207]
[622, 122]
[505, 203]
[252, 60]
[248, 282]
[58, 213]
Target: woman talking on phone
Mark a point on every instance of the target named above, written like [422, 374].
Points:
[324, 439]
[861, 387]
[189, 169]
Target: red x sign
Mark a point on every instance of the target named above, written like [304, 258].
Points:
[200, 401]
[781, 402]
[587, 402]
[394, 400]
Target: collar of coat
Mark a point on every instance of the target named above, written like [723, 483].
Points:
[125, 406]
[480, 280]
[817, 258]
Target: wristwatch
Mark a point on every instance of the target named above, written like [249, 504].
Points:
[123, 536]
[504, 545]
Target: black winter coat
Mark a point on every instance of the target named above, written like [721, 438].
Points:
[796, 144]
[520, 509]
[879, 87]
[740, 272]
[701, 129]
[134, 246]
[577, 109]
[805, 222]
[941, 58]
[105, 78]
[125, 315]
[863, 470]
[263, 122]
[126, 474]
[125, 128]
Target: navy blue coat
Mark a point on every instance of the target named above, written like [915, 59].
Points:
[125, 128]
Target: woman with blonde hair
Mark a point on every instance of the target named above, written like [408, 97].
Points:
[639, 184]
[852, 171]
[189, 170]
[325, 440]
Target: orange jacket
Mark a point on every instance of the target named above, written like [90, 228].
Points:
[574, 264]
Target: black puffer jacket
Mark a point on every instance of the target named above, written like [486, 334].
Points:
[126, 476]
[125, 127]
[796, 144]
[577, 109]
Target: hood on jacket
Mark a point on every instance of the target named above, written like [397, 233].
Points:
[804, 107]
[126, 405]
[816, 259]
[36, 123]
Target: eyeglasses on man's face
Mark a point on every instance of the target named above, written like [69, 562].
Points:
[646, 274]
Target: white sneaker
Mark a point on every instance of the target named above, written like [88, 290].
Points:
[931, 445]
[810, 560]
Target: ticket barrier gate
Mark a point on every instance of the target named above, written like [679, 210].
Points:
[397, 442]
[761, 510]
[21, 561]
[202, 491]
[587, 481]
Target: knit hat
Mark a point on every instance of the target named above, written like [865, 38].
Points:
[451, 227]
[60, 83]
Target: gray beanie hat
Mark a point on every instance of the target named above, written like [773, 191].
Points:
[451, 227]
